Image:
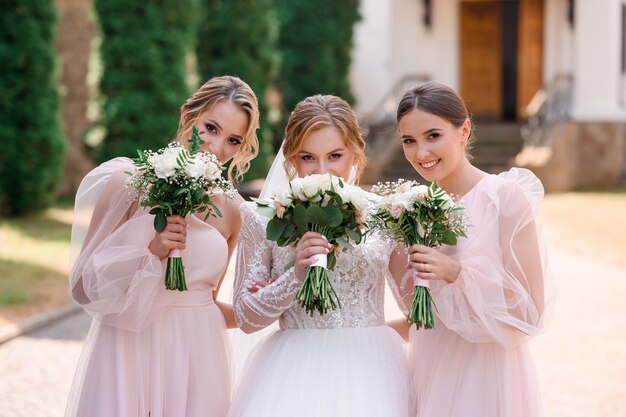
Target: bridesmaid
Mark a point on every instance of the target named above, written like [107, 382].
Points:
[490, 289]
[151, 351]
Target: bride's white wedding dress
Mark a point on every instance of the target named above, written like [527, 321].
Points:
[345, 363]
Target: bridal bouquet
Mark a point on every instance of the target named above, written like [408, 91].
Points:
[417, 214]
[178, 181]
[324, 204]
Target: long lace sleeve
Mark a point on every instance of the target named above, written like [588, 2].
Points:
[256, 310]
[500, 295]
[115, 278]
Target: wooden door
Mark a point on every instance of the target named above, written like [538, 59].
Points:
[481, 57]
[530, 53]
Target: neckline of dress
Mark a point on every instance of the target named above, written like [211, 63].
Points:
[210, 227]
[475, 186]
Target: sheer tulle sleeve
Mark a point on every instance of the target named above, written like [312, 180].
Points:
[256, 310]
[114, 276]
[501, 294]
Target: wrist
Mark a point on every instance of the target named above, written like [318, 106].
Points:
[456, 272]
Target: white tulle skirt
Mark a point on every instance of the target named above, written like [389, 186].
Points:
[326, 372]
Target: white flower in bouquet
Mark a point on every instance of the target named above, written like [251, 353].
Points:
[296, 189]
[284, 197]
[313, 185]
[195, 167]
[165, 163]
[212, 171]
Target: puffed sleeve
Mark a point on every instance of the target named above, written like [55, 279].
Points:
[256, 310]
[115, 278]
[500, 294]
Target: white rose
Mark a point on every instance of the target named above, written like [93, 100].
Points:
[421, 189]
[284, 198]
[296, 189]
[311, 185]
[212, 171]
[195, 167]
[356, 196]
[402, 199]
[164, 164]
[343, 191]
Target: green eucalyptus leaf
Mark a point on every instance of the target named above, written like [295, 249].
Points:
[160, 221]
[275, 228]
[299, 216]
[355, 235]
[335, 217]
[316, 215]
[266, 211]
[344, 243]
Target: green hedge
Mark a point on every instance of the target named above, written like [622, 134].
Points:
[31, 159]
[316, 43]
[238, 37]
[143, 84]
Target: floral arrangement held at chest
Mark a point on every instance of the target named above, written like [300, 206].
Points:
[418, 214]
[324, 204]
[178, 181]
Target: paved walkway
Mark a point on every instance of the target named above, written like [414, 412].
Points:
[581, 359]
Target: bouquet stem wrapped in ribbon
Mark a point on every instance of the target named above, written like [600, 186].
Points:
[417, 214]
[319, 203]
[178, 181]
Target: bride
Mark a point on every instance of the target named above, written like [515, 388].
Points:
[346, 362]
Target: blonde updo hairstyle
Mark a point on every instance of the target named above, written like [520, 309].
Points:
[318, 112]
[225, 89]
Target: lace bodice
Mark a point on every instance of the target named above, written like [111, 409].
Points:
[358, 278]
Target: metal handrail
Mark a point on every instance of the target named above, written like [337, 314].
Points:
[549, 105]
[386, 106]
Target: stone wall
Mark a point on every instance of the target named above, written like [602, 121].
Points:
[581, 155]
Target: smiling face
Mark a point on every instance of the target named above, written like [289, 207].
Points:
[324, 151]
[223, 127]
[433, 146]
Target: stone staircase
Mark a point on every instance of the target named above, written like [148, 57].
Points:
[495, 147]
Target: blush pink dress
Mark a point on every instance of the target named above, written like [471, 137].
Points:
[150, 351]
[476, 361]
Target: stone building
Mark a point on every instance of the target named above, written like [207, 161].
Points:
[545, 81]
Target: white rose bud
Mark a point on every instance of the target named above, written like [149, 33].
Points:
[296, 189]
[311, 185]
[284, 198]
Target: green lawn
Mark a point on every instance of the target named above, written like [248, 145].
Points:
[34, 253]
[34, 250]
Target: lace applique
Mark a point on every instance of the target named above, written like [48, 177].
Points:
[359, 280]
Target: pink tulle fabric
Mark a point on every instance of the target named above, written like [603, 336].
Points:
[150, 351]
[476, 362]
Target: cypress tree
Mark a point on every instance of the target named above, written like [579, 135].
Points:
[238, 37]
[315, 42]
[143, 84]
[31, 159]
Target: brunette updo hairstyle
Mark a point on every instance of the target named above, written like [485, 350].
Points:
[441, 101]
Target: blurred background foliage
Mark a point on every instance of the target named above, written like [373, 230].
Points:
[84, 81]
